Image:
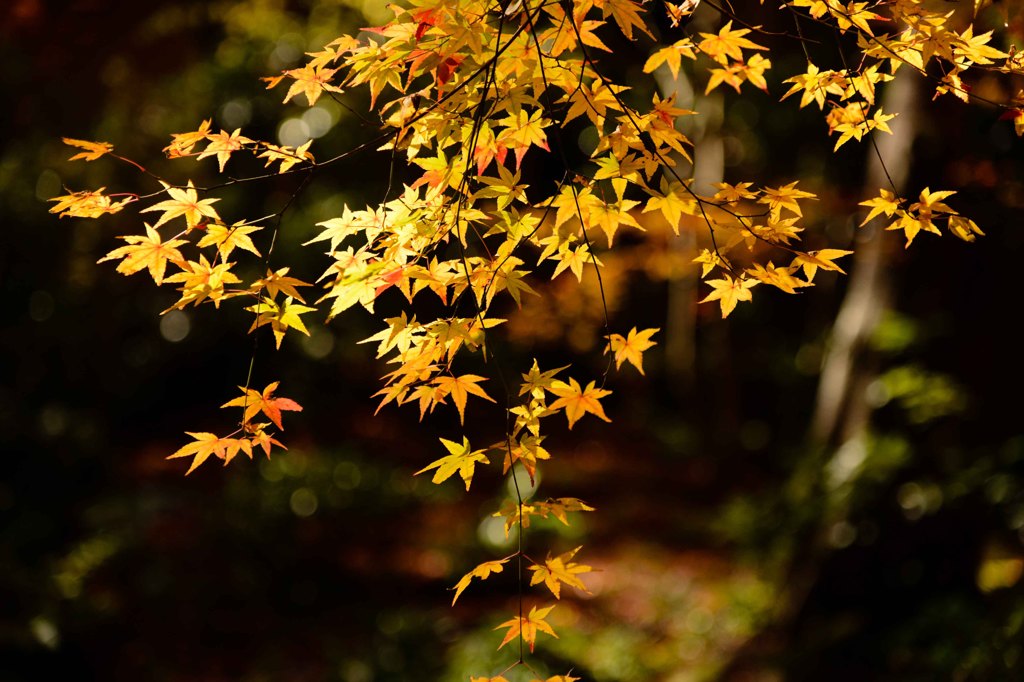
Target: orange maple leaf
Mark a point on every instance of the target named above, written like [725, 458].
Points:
[253, 402]
[205, 444]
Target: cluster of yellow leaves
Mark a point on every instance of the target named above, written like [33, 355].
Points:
[732, 66]
[249, 436]
[87, 204]
[466, 91]
[516, 514]
[223, 144]
[923, 215]
[556, 678]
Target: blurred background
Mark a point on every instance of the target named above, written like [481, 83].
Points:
[826, 486]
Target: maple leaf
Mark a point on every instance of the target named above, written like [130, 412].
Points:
[87, 204]
[964, 228]
[222, 145]
[781, 278]
[535, 381]
[310, 80]
[227, 239]
[727, 43]
[708, 260]
[631, 347]
[205, 444]
[812, 260]
[483, 571]
[558, 570]
[201, 281]
[93, 150]
[279, 317]
[886, 202]
[527, 626]
[286, 155]
[459, 388]
[784, 197]
[578, 401]
[184, 202]
[672, 56]
[259, 437]
[279, 281]
[253, 402]
[626, 14]
[182, 143]
[729, 291]
[462, 459]
[146, 253]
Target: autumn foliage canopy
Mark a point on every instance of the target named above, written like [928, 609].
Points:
[471, 98]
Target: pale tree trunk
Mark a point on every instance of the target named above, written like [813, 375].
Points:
[705, 130]
[841, 412]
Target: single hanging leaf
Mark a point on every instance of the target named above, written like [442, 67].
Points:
[460, 388]
[463, 459]
[528, 626]
[228, 238]
[255, 402]
[184, 202]
[631, 348]
[812, 260]
[87, 204]
[578, 401]
[729, 291]
[222, 145]
[279, 317]
[558, 570]
[93, 150]
[483, 571]
[146, 253]
[205, 444]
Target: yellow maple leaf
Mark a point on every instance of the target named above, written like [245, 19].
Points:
[483, 571]
[558, 570]
[87, 204]
[146, 253]
[309, 80]
[463, 459]
[729, 291]
[228, 238]
[812, 260]
[578, 401]
[182, 143]
[93, 150]
[184, 202]
[727, 43]
[459, 388]
[527, 626]
[279, 317]
[222, 145]
[631, 347]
